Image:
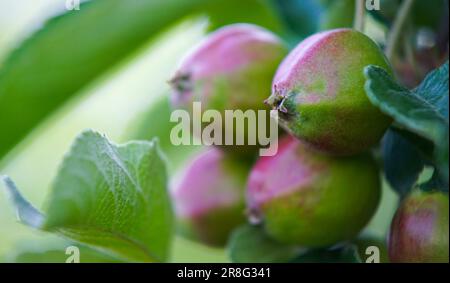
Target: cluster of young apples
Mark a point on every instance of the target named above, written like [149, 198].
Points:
[323, 186]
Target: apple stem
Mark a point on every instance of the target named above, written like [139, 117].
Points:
[360, 11]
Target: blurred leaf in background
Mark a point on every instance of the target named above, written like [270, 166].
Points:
[250, 244]
[300, 16]
[305, 17]
[403, 162]
[20, 18]
[422, 44]
[431, 18]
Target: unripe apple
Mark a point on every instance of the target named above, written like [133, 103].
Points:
[310, 199]
[319, 92]
[209, 197]
[419, 230]
[231, 69]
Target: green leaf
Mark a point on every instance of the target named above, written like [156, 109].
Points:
[71, 51]
[403, 162]
[345, 254]
[422, 111]
[113, 198]
[411, 110]
[434, 90]
[25, 211]
[249, 244]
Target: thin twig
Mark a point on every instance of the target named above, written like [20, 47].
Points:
[360, 11]
[395, 34]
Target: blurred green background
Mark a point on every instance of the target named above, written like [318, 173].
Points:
[109, 105]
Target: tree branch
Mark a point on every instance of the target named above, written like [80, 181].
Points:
[397, 27]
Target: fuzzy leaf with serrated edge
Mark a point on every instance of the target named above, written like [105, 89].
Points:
[113, 198]
[422, 111]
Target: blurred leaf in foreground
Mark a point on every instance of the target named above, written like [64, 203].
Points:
[71, 51]
[111, 197]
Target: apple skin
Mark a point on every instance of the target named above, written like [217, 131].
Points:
[420, 229]
[209, 197]
[319, 92]
[306, 198]
[231, 69]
